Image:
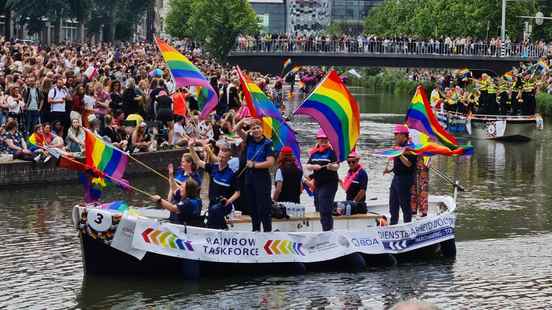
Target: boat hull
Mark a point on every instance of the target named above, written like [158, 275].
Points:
[101, 259]
[491, 127]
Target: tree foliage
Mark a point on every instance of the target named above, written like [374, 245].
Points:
[216, 24]
[456, 18]
[177, 18]
[118, 16]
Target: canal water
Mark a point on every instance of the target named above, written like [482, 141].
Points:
[504, 238]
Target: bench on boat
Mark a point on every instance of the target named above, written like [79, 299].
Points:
[310, 216]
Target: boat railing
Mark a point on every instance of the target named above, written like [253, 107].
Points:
[485, 117]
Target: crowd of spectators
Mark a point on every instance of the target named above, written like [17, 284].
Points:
[365, 43]
[123, 93]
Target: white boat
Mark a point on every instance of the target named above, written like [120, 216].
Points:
[492, 127]
[143, 241]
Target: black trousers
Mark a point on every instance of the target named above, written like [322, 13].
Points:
[399, 198]
[324, 196]
[260, 203]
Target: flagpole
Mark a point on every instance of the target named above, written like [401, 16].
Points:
[118, 181]
[314, 90]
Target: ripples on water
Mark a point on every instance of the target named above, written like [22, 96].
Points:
[504, 225]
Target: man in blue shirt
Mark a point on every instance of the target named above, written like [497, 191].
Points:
[404, 170]
[260, 158]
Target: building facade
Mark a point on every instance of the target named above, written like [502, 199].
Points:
[309, 16]
[272, 15]
[352, 11]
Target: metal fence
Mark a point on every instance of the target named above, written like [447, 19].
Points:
[367, 47]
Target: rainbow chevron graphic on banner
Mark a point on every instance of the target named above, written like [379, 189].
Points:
[166, 239]
[283, 247]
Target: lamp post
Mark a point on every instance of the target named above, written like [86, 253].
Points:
[503, 24]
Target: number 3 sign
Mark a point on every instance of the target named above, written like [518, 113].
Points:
[98, 220]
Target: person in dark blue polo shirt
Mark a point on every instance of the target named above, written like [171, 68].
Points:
[223, 181]
[323, 162]
[259, 153]
[404, 170]
[187, 169]
[356, 180]
[186, 210]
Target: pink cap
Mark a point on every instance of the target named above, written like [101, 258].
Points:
[321, 134]
[354, 154]
[400, 128]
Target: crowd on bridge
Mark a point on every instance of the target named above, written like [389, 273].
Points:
[370, 44]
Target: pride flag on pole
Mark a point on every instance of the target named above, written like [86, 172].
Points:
[420, 117]
[258, 103]
[337, 111]
[185, 74]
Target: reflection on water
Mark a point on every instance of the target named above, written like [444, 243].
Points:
[504, 232]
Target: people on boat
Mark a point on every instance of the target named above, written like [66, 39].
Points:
[324, 165]
[188, 169]
[259, 155]
[420, 188]
[223, 185]
[404, 171]
[288, 184]
[354, 184]
[529, 105]
[186, 207]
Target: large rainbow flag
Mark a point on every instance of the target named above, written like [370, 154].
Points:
[428, 149]
[185, 74]
[281, 135]
[337, 111]
[420, 117]
[105, 158]
[258, 103]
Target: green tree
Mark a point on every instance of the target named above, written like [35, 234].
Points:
[436, 18]
[216, 24]
[177, 18]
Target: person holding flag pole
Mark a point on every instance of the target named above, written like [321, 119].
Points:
[324, 165]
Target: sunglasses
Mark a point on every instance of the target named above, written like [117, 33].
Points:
[352, 161]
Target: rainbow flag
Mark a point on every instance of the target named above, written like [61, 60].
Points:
[389, 152]
[509, 76]
[433, 148]
[337, 111]
[281, 135]
[420, 117]
[104, 157]
[92, 191]
[186, 74]
[35, 141]
[119, 206]
[426, 150]
[258, 103]
[203, 96]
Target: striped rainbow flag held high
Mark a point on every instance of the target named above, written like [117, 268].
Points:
[337, 111]
[258, 103]
[186, 74]
[420, 117]
[281, 135]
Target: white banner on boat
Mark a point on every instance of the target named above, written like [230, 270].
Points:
[249, 247]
